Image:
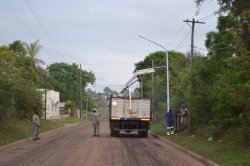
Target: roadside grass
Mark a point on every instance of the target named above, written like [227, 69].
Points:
[14, 130]
[221, 152]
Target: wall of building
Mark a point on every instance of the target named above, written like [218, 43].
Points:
[52, 104]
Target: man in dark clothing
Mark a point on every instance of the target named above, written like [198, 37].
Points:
[170, 122]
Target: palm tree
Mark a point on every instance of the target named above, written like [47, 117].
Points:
[32, 51]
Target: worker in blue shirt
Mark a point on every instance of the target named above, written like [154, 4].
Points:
[170, 122]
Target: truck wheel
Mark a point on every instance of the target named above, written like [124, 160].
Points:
[117, 133]
[143, 133]
[112, 132]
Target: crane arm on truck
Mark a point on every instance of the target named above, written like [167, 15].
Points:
[141, 72]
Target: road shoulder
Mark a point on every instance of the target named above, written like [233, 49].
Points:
[202, 159]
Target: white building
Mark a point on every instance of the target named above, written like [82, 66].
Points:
[52, 104]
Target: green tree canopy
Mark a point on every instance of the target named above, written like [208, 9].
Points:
[64, 78]
[18, 95]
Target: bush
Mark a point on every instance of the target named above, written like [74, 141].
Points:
[70, 105]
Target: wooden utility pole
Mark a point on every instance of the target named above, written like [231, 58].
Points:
[86, 116]
[141, 86]
[152, 94]
[45, 95]
[80, 77]
[191, 63]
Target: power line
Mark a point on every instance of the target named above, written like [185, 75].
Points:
[206, 17]
[21, 21]
[183, 40]
[201, 48]
[42, 27]
[170, 42]
[24, 24]
[222, 48]
[107, 63]
[206, 5]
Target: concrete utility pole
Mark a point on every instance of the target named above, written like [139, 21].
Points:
[191, 63]
[80, 77]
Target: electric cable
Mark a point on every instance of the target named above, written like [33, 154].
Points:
[184, 40]
[21, 21]
[42, 27]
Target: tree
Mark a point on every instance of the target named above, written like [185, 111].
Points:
[32, 50]
[64, 78]
[18, 97]
[229, 61]
[107, 92]
[178, 80]
[24, 62]
[240, 11]
[71, 107]
[18, 48]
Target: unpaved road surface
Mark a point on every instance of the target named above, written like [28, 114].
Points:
[75, 146]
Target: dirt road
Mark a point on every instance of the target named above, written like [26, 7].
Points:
[75, 146]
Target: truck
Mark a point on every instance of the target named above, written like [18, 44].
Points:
[129, 114]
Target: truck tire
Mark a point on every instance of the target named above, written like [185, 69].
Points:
[143, 133]
[117, 133]
[112, 132]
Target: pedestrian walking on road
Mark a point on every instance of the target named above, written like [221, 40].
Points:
[36, 125]
[96, 123]
[170, 122]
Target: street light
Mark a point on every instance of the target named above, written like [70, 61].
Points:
[167, 70]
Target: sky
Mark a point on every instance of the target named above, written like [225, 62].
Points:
[103, 35]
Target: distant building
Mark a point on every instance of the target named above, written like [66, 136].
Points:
[62, 110]
[52, 104]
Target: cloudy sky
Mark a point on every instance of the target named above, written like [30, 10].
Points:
[102, 35]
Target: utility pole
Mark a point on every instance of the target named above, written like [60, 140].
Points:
[86, 107]
[141, 86]
[80, 91]
[45, 95]
[152, 94]
[191, 63]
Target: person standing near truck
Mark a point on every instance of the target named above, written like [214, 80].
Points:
[96, 123]
[36, 125]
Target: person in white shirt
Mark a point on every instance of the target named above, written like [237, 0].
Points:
[36, 125]
[96, 123]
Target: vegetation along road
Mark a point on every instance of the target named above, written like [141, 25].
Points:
[75, 145]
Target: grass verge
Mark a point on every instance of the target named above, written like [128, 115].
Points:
[14, 130]
[221, 152]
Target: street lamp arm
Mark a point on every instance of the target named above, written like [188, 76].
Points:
[154, 43]
[167, 69]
